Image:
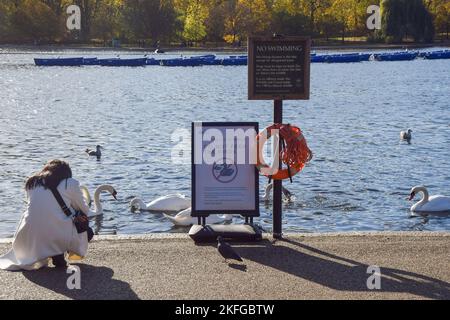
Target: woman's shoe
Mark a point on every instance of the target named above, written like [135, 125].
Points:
[90, 234]
[59, 261]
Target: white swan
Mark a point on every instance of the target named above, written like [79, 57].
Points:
[171, 203]
[406, 135]
[97, 203]
[429, 204]
[286, 193]
[184, 218]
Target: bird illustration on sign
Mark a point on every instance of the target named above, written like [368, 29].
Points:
[225, 172]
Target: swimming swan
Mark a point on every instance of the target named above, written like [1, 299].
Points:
[429, 204]
[184, 218]
[171, 203]
[97, 203]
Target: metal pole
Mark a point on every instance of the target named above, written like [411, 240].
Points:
[277, 184]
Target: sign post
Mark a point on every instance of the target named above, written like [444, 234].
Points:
[277, 184]
[278, 69]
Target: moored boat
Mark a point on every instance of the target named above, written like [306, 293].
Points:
[422, 54]
[61, 62]
[119, 62]
[396, 56]
[152, 62]
[435, 55]
[90, 62]
[319, 58]
[208, 60]
[206, 57]
[212, 62]
[181, 62]
[343, 58]
[365, 56]
[235, 61]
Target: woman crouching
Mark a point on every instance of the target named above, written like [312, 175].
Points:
[45, 232]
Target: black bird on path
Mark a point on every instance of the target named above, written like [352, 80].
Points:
[226, 250]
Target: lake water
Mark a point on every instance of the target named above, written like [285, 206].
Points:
[358, 180]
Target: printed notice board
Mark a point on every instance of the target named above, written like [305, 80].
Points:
[278, 68]
[225, 179]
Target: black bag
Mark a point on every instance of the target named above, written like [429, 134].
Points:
[80, 220]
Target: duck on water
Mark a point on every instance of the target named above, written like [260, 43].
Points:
[95, 153]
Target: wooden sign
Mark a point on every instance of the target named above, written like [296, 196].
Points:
[278, 68]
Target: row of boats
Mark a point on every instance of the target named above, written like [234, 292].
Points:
[139, 62]
[213, 60]
[392, 56]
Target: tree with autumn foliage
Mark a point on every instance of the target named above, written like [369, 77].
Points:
[440, 10]
[35, 21]
[406, 18]
[227, 21]
[194, 22]
[155, 20]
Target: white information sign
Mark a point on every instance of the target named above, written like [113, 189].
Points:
[224, 174]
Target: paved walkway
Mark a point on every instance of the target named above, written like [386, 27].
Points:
[333, 266]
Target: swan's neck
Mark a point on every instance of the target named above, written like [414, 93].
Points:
[97, 203]
[424, 198]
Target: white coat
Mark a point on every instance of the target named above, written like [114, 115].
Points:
[45, 231]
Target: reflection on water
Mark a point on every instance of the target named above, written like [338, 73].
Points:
[358, 179]
[422, 219]
[435, 214]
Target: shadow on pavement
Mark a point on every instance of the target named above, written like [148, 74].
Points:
[96, 283]
[239, 267]
[337, 272]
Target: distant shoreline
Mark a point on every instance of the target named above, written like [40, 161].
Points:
[345, 47]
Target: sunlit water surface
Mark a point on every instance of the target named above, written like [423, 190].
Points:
[358, 180]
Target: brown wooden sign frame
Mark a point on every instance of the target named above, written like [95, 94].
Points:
[305, 42]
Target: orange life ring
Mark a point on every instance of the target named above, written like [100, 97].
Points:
[295, 154]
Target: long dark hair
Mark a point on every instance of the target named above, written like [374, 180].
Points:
[50, 176]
